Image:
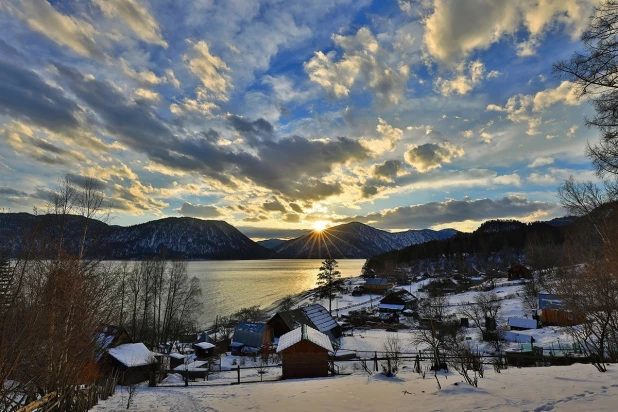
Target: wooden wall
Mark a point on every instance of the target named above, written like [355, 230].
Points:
[305, 360]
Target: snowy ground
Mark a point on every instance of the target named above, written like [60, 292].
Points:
[573, 388]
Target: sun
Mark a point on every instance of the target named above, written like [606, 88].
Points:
[319, 226]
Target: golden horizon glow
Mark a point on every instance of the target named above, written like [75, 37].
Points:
[319, 226]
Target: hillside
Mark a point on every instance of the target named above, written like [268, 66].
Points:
[502, 241]
[355, 240]
[178, 237]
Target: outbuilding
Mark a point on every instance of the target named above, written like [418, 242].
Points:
[315, 316]
[398, 301]
[304, 353]
[249, 337]
[203, 349]
[133, 361]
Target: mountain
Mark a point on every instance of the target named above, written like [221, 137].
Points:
[354, 240]
[178, 237]
[271, 243]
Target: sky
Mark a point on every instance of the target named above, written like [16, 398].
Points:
[281, 115]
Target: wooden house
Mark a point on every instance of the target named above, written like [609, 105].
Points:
[519, 272]
[304, 353]
[315, 316]
[249, 337]
[398, 301]
[203, 350]
[133, 362]
[377, 285]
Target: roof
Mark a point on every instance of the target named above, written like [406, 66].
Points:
[176, 356]
[391, 307]
[523, 323]
[320, 317]
[250, 333]
[316, 316]
[304, 333]
[204, 345]
[402, 294]
[378, 281]
[132, 354]
[192, 366]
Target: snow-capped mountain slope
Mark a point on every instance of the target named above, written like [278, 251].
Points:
[184, 237]
[355, 240]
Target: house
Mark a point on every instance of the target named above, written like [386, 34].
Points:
[111, 336]
[519, 272]
[304, 353]
[522, 323]
[203, 349]
[377, 285]
[250, 336]
[315, 316]
[398, 301]
[133, 362]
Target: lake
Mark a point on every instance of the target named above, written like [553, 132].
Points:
[232, 284]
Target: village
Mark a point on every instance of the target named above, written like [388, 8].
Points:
[378, 326]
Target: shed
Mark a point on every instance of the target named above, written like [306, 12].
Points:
[522, 323]
[398, 301]
[315, 316]
[377, 285]
[304, 353]
[549, 301]
[251, 335]
[519, 272]
[176, 359]
[134, 362]
[561, 317]
[203, 349]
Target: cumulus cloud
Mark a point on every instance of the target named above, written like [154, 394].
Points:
[430, 155]
[541, 161]
[529, 108]
[199, 211]
[455, 211]
[210, 69]
[455, 29]
[463, 80]
[136, 17]
[388, 170]
[389, 136]
[291, 218]
[363, 61]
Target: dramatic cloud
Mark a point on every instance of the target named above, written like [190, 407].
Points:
[455, 211]
[199, 211]
[211, 70]
[274, 206]
[429, 156]
[389, 169]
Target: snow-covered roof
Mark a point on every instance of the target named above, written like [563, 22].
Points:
[193, 366]
[304, 333]
[176, 356]
[320, 317]
[391, 307]
[132, 354]
[523, 323]
[204, 345]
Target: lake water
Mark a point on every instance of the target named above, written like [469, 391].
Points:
[232, 284]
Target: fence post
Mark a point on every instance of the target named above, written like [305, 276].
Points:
[238, 372]
[375, 361]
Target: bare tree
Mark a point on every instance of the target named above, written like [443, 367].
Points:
[485, 307]
[392, 352]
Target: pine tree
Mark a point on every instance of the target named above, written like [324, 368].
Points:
[329, 281]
